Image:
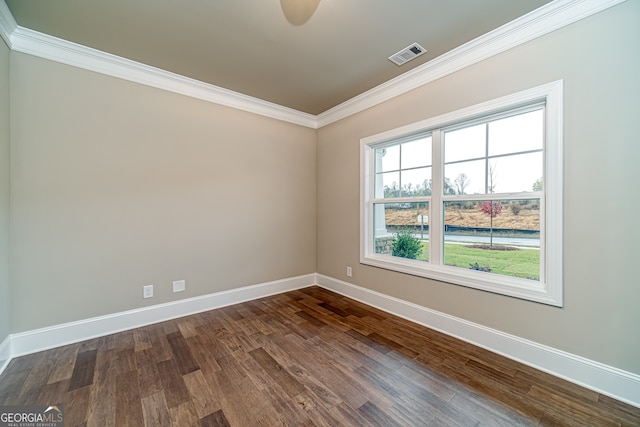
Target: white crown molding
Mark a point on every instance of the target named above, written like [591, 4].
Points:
[605, 379]
[550, 17]
[44, 46]
[7, 23]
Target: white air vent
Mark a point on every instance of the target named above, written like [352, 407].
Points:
[407, 54]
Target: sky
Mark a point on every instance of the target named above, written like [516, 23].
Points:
[505, 154]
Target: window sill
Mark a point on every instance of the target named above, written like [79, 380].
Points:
[504, 285]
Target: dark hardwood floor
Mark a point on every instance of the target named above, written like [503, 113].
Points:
[302, 358]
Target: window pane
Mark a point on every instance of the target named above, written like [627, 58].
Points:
[402, 229]
[465, 178]
[524, 132]
[516, 173]
[500, 237]
[387, 185]
[416, 153]
[388, 159]
[416, 182]
[465, 143]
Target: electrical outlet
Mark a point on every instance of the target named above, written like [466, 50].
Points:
[147, 291]
[349, 272]
[179, 286]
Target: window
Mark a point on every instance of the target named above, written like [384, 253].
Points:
[472, 197]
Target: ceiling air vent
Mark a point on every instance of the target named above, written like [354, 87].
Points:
[407, 54]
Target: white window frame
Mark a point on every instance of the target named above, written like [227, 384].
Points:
[549, 289]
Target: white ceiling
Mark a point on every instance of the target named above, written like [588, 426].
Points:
[248, 46]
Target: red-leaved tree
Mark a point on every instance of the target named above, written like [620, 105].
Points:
[492, 209]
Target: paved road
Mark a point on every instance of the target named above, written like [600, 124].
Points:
[507, 241]
[533, 243]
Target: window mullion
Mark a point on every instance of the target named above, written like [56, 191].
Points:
[373, 166]
[488, 184]
[436, 209]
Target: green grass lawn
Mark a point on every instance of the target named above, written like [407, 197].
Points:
[523, 263]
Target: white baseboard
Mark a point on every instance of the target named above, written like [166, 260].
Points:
[5, 353]
[613, 382]
[54, 336]
[610, 381]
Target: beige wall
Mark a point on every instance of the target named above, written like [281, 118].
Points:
[599, 62]
[4, 193]
[118, 185]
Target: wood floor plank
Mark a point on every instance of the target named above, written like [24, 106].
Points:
[64, 363]
[76, 406]
[626, 414]
[202, 396]
[182, 353]
[309, 357]
[315, 385]
[102, 400]
[311, 319]
[325, 315]
[376, 416]
[141, 339]
[516, 401]
[532, 376]
[579, 412]
[83, 369]
[304, 330]
[160, 347]
[11, 386]
[490, 413]
[431, 381]
[184, 415]
[155, 411]
[296, 411]
[23, 363]
[187, 327]
[175, 390]
[347, 416]
[347, 389]
[169, 327]
[352, 344]
[39, 373]
[148, 376]
[257, 374]
[415, 398]
[290, 385]
[204, 353]
[373, 344]
[409, 417]
[235, 344]
[128, 401]
[216, 419]
[125, 340]
[125, 361]
[388, 342]
[333, 309]
[241, 401]
[52, 394]
[316, 413]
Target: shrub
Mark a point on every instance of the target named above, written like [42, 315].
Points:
[515, 207]
[478, 267]
[405, 245]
